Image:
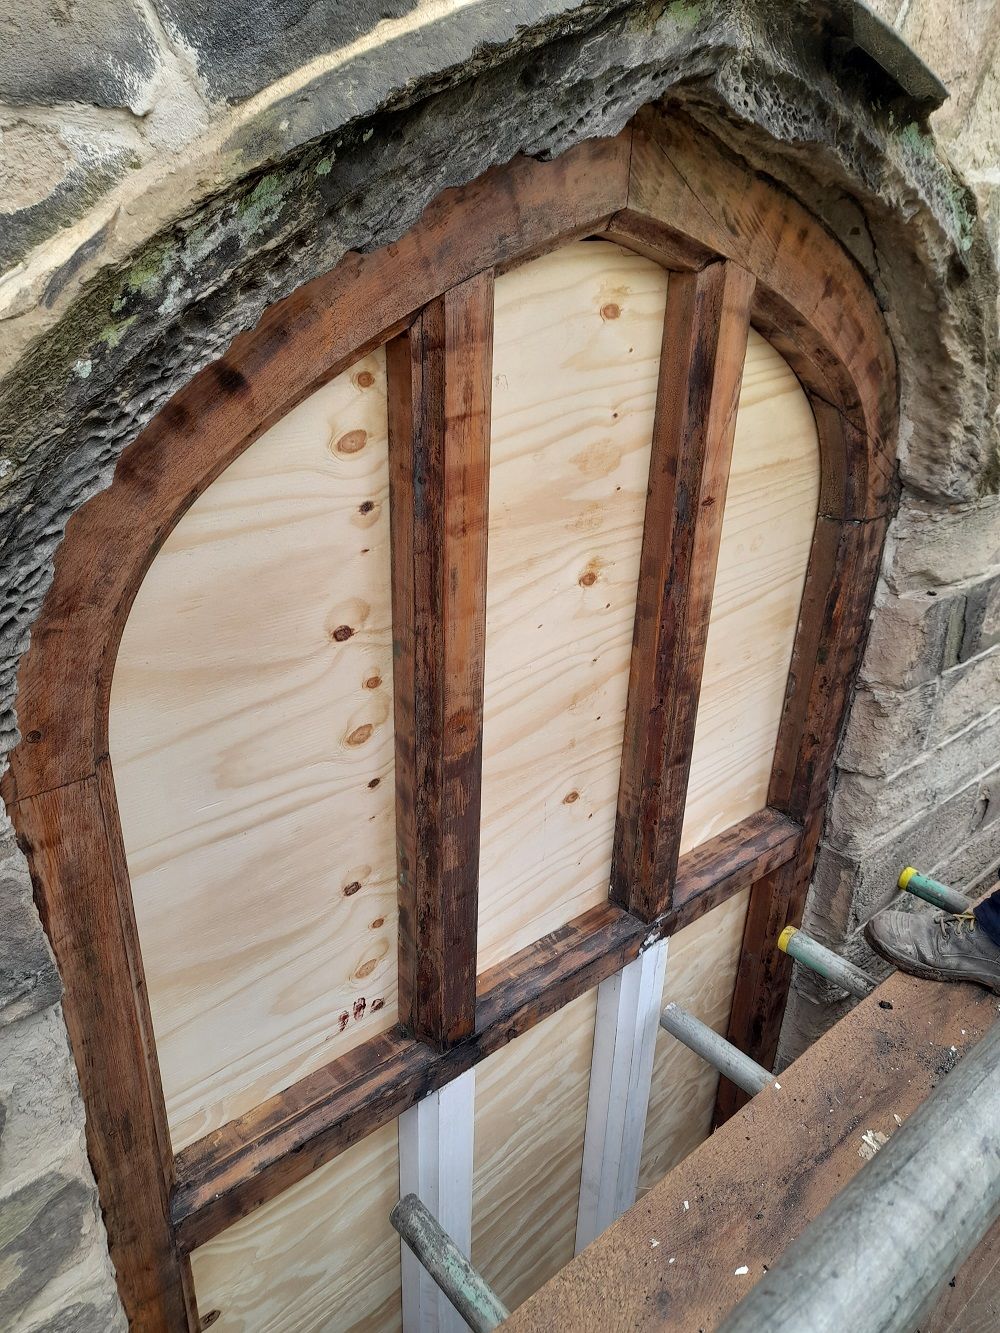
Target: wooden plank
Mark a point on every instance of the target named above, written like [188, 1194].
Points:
[704, 957]
[250, 729]
[114, 1055]
[578, 334]
[628, 1011]
[435, 1163]
[704, 343]
[971, 1301]
[320, 1256]
[767, 533]
[754, 1185]
[439, 410]
[233, 1171]
[531, 1109]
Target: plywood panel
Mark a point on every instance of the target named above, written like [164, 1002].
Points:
[531, 1110]
[320, 1258]
[252, 746]
[701, 973]
[769, 519]
[577, 344]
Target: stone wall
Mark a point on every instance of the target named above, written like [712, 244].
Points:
[168, 175]
[919, 770]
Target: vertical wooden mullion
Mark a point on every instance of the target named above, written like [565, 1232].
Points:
[705, 332]
[839, 584]
[439, 378]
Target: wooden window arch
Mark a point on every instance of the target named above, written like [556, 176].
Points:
[741, 254]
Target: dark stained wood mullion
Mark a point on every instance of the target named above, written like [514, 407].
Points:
[439, 380]
[701, 366]
[839, 586]
[79, 891]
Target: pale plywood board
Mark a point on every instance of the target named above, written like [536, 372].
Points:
[769, 519]
[700, 977]
[252, 746]
[320, 1258]
[531, 1108]
[576, 354]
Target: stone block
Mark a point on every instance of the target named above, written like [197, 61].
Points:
[246, 45]
[96, 52]
[886, 729]
[936, 546]
[95, 1316]
[42, 1226]
[912, 639]
[966, 693]
[54, 171]
[29, 981]
[981, 628]
[974, 867]
[956, 43]
[38, 1088]
[865, 811]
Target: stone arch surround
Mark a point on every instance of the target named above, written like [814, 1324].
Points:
[118, 331]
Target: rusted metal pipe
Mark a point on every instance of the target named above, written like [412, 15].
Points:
[932, 891]
[719, 1053]
[810, 953]
[877, 1257]
[473, 1298]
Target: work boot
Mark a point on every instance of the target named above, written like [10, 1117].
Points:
[938, 945]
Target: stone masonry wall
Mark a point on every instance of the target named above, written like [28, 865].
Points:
[166, 174]
[919, 770]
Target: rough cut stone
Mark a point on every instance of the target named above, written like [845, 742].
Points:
[981, 627]
[939, 546]
[912, 639]
[28, 977]
[244, 45]
[967, 693]
[886, 729]
[41, 1226]
[38, 1087]
[98, 52]
[865, 810]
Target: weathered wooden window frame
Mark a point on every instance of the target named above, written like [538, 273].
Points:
[747, 255]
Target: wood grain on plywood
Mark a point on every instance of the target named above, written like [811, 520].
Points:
[321, 1256]
[577, 342]
[766, 537]
[252, 741]
[531, 1110]
[700, 977]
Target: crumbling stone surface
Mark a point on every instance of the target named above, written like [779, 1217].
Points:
[222, 173]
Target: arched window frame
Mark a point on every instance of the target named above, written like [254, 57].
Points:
[742, 254]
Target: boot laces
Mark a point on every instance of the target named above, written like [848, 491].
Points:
[956, 922]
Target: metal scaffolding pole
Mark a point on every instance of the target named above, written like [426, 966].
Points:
[473, 1298]
[877, 1257]
[721, 1054]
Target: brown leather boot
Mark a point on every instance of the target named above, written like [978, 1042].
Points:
[939, 945]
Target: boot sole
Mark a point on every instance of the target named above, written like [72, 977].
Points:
[928, 973]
